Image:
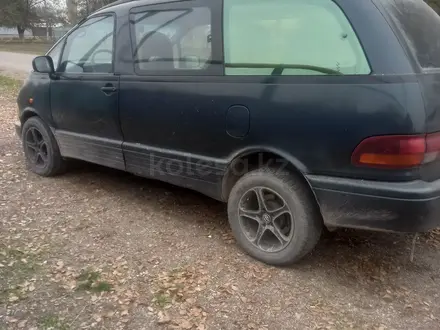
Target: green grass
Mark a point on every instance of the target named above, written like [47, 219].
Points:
[17, 266]
[9, 84]
[162, 300]
[28, 48]
[52, 322]
[88, 280]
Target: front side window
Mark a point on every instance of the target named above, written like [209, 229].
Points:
[285, 37]
[172, 40]
[89, 49]
[55, 54]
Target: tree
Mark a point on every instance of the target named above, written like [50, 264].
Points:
[25, 14]
[78, 9]
[86, 7]
[50, 15]
[72, 11]
[19, 13]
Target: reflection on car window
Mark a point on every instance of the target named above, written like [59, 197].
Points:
[172, 39]
[90, 47]
[284, 37]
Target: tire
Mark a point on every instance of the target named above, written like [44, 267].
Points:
[41, 149]
[299, 206]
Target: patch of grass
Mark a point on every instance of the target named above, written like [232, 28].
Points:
[12, 294]
[52, 322]
[102, 287]
[9, 84]
[15, 267]
[17, 262]
[25, 47]
[162, 300]
[88, 280]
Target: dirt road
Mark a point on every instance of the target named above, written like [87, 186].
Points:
[101, 249]
[15, 63]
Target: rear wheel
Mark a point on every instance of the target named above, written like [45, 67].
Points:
[273, 216]
[41, 149]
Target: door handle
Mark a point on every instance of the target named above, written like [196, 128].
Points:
[108, 90]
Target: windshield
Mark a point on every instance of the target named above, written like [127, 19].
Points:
[420, 26]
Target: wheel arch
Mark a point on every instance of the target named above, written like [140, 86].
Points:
[28, 113]
[256, 157]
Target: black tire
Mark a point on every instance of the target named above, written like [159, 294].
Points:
[47, 160]
[306, 218]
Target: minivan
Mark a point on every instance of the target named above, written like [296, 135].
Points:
[300, 114]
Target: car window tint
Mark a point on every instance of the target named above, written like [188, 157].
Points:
[172, 39]
[90, 47]
[284, 37]
[420, 26]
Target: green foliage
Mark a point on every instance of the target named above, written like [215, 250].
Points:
[52, 322]
[19, 13]
[24, 14]
[86, 7]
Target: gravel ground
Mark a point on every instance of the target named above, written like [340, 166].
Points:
[101, 249]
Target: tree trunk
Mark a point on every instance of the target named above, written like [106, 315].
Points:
[20, 32]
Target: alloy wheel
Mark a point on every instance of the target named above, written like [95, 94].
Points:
[266, 219]
[36, 147]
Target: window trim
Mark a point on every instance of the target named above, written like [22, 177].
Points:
[216, 68]
[289, 77]
[67, 35]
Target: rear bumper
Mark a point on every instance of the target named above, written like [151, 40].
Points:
[391, 206]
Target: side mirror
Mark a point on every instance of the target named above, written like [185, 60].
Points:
[43, 64]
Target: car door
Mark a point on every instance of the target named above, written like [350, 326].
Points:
[84, 95]
[170, 112]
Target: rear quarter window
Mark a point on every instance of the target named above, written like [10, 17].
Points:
[302, 37]
[419, 25]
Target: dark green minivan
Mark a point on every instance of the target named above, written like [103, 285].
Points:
[300, 114]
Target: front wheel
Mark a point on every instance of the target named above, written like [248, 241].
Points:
[274, 216]
[41, 149]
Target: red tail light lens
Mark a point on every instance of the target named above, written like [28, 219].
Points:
[394, 151]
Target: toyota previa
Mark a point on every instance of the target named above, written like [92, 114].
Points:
[300, 114]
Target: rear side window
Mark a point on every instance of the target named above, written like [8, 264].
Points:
[420, 27]
[172, 40]
[285, 37]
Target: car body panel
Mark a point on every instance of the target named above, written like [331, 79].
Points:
[37, 88]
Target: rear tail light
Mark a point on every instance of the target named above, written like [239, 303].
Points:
[397, 151]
